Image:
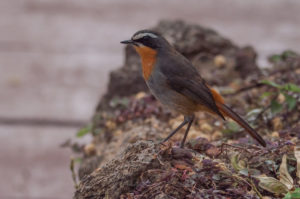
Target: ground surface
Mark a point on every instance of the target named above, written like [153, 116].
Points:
[125, 159]
[55, 57]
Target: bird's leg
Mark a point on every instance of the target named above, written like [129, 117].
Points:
[190, 120]
[185, 121]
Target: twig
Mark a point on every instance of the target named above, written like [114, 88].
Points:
[281, 70]
[151, 187]
[72, 163]
[237, 147]
[246, 88]
[262, 112]
[251, 184]
[266, 108]
[255, 189]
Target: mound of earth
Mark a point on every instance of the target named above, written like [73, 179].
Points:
[125, 160]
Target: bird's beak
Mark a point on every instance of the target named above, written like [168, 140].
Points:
[127, 42]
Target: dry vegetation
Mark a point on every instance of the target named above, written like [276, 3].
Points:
[219, 161]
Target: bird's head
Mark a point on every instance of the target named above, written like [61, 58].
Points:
[145, 39]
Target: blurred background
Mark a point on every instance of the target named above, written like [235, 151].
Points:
[55, 57]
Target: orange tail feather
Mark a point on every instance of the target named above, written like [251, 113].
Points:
[230, 113]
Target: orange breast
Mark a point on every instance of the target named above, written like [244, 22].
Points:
[148, 57]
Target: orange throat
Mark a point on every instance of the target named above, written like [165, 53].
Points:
[148, 58]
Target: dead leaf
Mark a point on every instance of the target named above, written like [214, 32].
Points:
[284, 175]
[183, 167]
[236, 163]
[252, 172]
[272, 185]
[213, 151]
[297, 155]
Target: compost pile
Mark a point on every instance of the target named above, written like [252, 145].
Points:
[125, 159]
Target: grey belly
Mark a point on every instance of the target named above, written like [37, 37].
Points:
[170, 98]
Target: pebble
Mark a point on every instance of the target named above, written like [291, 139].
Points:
[220, 61]
[206, 127]
[277, 123]
[90, 149]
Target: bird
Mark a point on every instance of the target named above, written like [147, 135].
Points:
[178, 85]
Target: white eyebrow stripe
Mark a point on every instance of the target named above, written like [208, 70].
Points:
[141, 35]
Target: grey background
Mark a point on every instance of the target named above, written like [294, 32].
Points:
[55, 56]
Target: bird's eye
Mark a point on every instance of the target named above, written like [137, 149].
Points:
[144, 39]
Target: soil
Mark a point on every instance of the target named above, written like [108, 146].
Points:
[125, 160]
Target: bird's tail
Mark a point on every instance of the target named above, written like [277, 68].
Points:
[230, 113]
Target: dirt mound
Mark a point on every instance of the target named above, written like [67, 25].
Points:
[125, 161]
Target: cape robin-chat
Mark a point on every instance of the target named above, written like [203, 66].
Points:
[176, 83]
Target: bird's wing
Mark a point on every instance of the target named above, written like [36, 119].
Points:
[183, 77]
